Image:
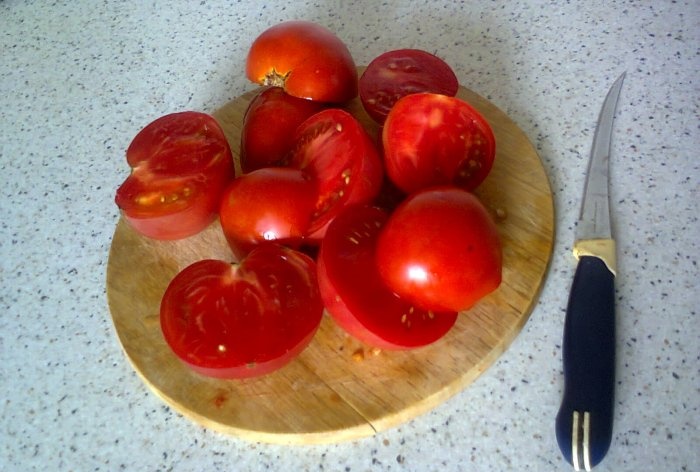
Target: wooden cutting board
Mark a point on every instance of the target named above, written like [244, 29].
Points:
[339, 389]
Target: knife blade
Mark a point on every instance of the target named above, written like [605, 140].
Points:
[585, 418]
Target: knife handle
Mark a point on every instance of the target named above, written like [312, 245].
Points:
[585, 418]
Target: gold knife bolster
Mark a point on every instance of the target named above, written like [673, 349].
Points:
[603, 249]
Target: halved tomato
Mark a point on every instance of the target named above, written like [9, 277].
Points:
[335, 150]
[440, 249]
[306, 59]
[355, 295]
[180, 165]
[234, 321]
[269, 204]
[398, 73]
[431, 139]
[269, 125]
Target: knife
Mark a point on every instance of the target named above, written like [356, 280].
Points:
[585, 419]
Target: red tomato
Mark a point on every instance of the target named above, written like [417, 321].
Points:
[440, 249]
[431, 139]
[269, 125]
[235, 321]
[355, 295]
[180, 165]
[396, 74]
[270, 204]
[336, 151]
[306, 59]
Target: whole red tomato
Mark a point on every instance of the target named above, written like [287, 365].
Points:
[180, 165]
[440, 250]
[233, 321]
[431, 139]
[355, 295]
[334, 149]
[269, 204]
[269, 125]
[398, 73]
[306, 59]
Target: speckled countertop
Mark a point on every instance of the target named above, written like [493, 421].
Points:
[78, 78]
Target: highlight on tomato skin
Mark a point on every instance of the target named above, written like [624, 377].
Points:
[180, 164]
[357, 298]
[306, 59]
[242, 320]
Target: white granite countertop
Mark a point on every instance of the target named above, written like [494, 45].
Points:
[78, 78]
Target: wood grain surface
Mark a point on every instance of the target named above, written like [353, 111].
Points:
[339, 389]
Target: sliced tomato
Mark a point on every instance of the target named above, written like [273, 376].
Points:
[246, 320]
[357, 298]
[335, 150]
[431, 139]
[398, 73]
[269, 204]
[269, 125]
[306, 59]
[180, 165]
[440, 250]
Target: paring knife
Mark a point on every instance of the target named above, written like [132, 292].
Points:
[585, 419]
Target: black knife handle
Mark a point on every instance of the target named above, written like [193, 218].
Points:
[584, 422]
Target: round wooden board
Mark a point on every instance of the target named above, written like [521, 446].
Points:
[330, 393]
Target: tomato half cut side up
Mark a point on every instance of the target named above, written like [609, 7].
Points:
[355, 295]
[306, 59]
[398, 73]
[180, 165]
[336, 151]
[431, 139]
[247, 320]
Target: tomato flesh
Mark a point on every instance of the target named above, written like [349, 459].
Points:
[357, 298]
[398, 73]
[440, 249]
[431, 139]
[335, 150]
[269, 204]
[304, 58]
[180, 165]
[269, 125]
[246, 320]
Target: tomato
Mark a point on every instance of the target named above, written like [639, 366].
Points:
[235, 321]
[355, 295]
[306, 59]
[335, 150]
[431, 139]
[267, 204]
[269, 125]
[398, 73]
[440, 249]
[180, 165]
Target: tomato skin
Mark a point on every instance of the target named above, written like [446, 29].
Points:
[246, 320]
[306, 59]
[395, 74]
[269, 204]
[269, 125]
[336, 151]
[440, 249]
[181, 164]
[355, 295]
[431, 139]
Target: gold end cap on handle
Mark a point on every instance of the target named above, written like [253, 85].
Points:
[603, 249]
